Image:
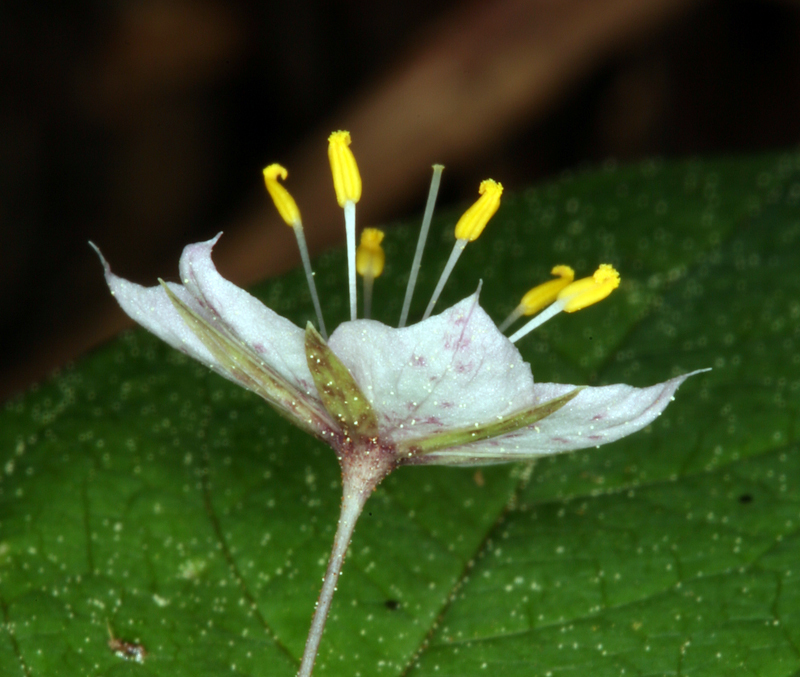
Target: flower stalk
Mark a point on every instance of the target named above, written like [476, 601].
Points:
[357, 486]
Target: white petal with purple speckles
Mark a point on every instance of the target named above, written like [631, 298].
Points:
[152, 309]
[446, 375]
[451, 370]
[274, 338]
[277, 341]
[596, 416]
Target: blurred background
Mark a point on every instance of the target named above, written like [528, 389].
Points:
[143, 125]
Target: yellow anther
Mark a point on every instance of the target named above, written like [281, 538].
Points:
[474, 220]
[346, 179]
[590, 290]
[544, 294]
[370, 256]
[284, 202]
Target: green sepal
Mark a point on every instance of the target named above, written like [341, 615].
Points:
[462, 436]
[339, 392]
[252, 372]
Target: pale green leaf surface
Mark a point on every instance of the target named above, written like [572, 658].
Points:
[141, 491]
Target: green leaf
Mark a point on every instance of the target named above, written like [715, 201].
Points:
[141, 491]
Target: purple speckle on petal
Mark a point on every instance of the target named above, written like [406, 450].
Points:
[418, 361]
[561, 440]
[259, 347]
[597, 417]
[432, 420]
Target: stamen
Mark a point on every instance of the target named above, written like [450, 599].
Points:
[423, 236]
[289, 212]
[590, 290]
[347, 184]
[575, 296]
[346, 177]
[474, 220]
[540, 296]
[468, 229]
[370, 259]
[451, 263]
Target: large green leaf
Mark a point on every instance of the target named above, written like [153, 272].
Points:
[142, 493]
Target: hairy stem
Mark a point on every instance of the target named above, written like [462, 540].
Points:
[359, 480]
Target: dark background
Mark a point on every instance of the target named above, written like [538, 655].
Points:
[143, 125]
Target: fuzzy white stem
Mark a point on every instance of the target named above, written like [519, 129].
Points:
[551, 311]
[451, 262]
[423, 237]
[301, 244]
[359, 479]
[350, 228]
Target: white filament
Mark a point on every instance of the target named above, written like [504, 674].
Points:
[301, 244]
[368, 281]
[451, 262]
[513, 317]
[551, 311]
[423, 236]
[350, 228]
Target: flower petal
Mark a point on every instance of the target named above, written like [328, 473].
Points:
[151, 308]
[277, 341]
[595, 416]
[467, 437]
[450, 371]
[209, 331]
[246, 368]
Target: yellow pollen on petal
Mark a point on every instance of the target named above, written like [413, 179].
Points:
[547, 292]
[346, 178]
[284, 202]
[474, 220]
[589, 290]
[370, 256]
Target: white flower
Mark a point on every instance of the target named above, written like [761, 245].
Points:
[451, 389]
[443, 390]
